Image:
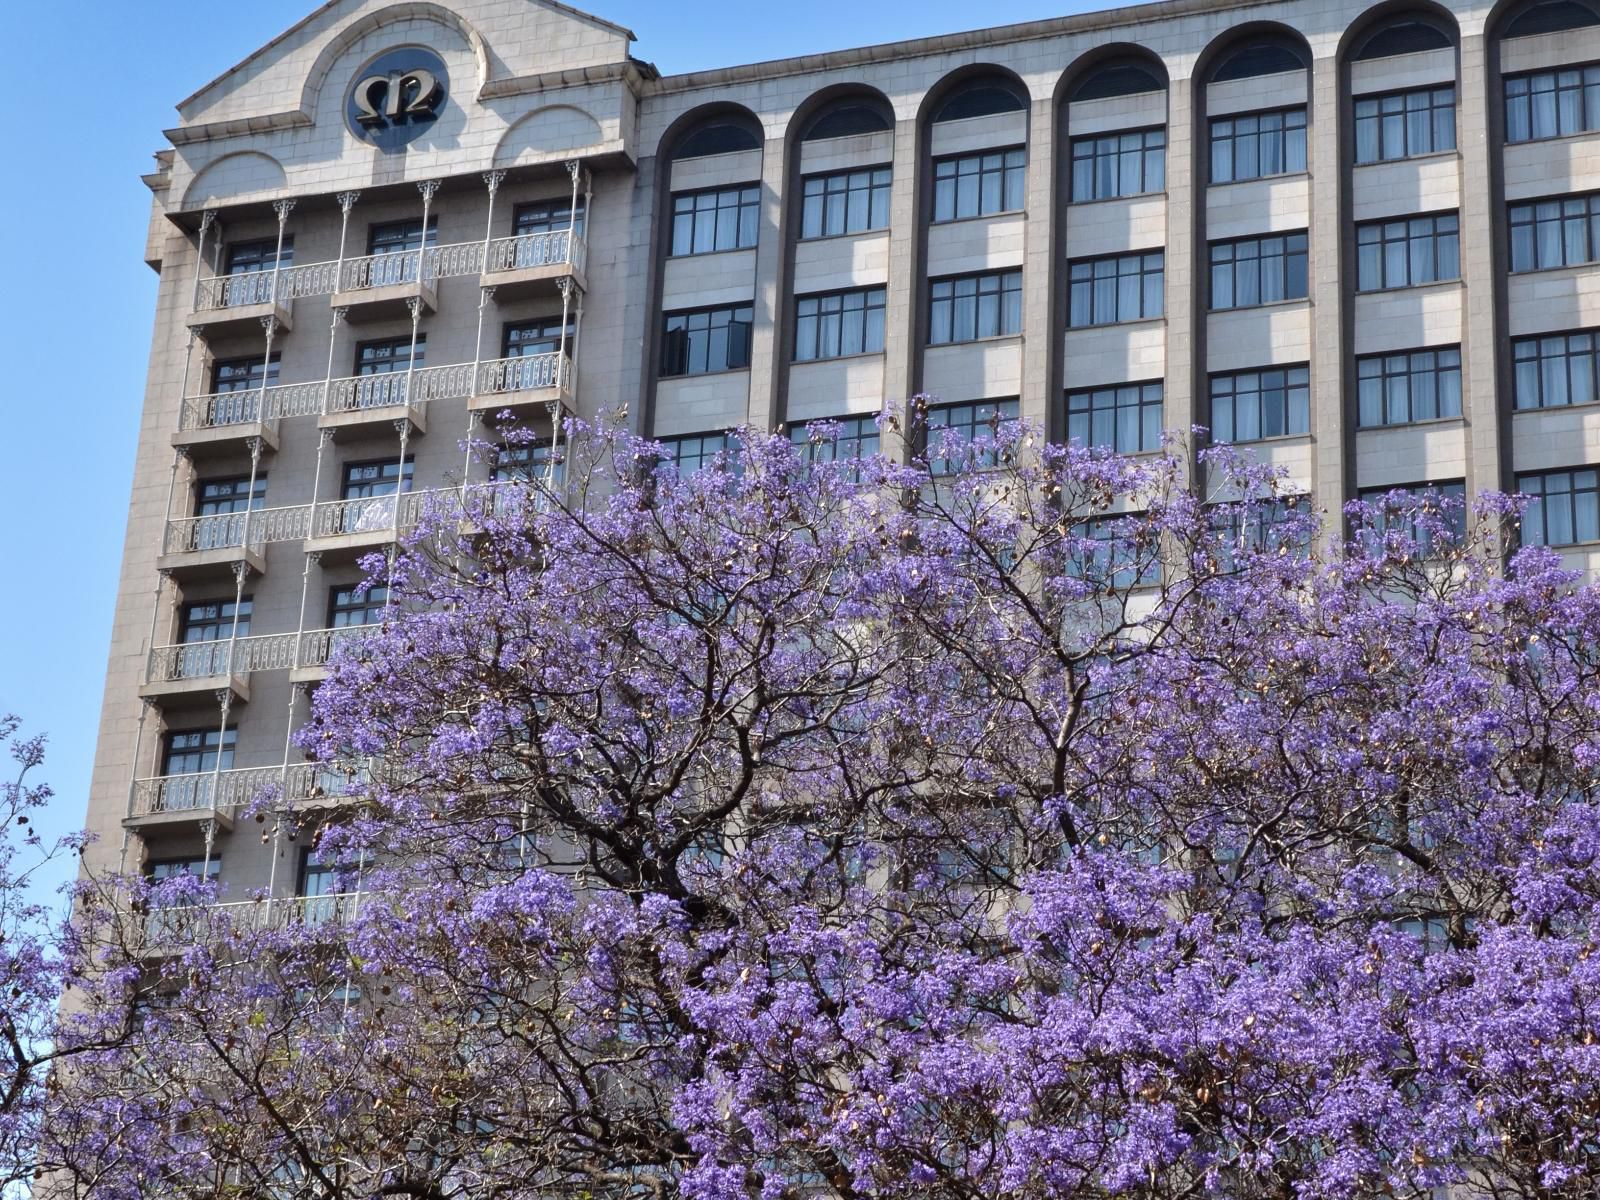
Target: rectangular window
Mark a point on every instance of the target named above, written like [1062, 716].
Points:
[213, 620]
[244, 374]
[364, 480]
[1562, 232]
[547, 216]
[1408, 252]
[218, 497]
[720, 219]
[390, 356]
[1263, 527]
[1257, 145]
[696, 451]
[1252, 271]
[247, 258]
[193, 751]
[1396, 389]
[1105, 558]
[839, 324]
[712, 339]
[979, 185]
[525, 339]
[1124, 417]
[1385, 519]
[397, 237]
[836, 439]
[1565, 509]
[525, 463]
[1123, 287]
[349, 606]
[1405, 124]
[173, 868]
[970, 307]
[979, 419]
[1556, 370]
[1119, 164]
[1247, 406]
[1550, 104]
[845, 202]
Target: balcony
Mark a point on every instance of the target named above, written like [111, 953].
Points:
[214, 546]
[168, 800]
[368, 400]
[343, 530]
[317, 647]
[524, 386]
[382, 287]
[225, 423]
[232, 304]
[174, 674]
[169, 929]
[534, 263]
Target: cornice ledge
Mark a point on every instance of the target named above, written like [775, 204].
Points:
[546, 81]
[976, 39]
[188, 135]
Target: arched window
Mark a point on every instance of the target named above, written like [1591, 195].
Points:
[1120, 77]
[1552, 16]
[720, 135]
[981, 97]
[1407, 35]
[846, 118]
[1259, 56]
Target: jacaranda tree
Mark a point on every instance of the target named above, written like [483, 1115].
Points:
[1040, 824]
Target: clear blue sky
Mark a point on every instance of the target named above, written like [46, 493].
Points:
[98, 84]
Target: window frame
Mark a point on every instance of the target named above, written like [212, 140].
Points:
[1284, 274]
[1590, 488]
[404, 477]
[342, 604]
[1588, 100]
[1283, 135]
[1008, 172]
[1094, 158]
[1142, 405]
[843, 317]
[1007, 293]
[986, 414]
[1383, 243]
[876, 189]
[748, 197]
[1292, 389]
[1092, 281]
[1588, 221]
[1403, 95]
[1388, 383]
[747, 307]
[1568, 356]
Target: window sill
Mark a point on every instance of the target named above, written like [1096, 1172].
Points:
[1003, 213]
[1431, 156]
[1276, 440]
[1296, 302]
[709, 253]
[1151, 321]
[1579, 266]
[1586, 135]
[833, 358]
[1590, 406]
[1161, 195]
[1426, 422]
[839, 237]
[1565, 547]
[1437, 284]
[703, 374]
[1279, 178]
[983, 341]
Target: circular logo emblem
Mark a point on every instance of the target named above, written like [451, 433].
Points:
[397, 97]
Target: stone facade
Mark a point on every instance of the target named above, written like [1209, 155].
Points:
[548, 104]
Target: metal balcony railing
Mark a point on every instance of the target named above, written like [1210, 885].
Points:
[234, 789]
[455, 381]
[245, 655]
[183, 924]
[556, 248]
[238, 530]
